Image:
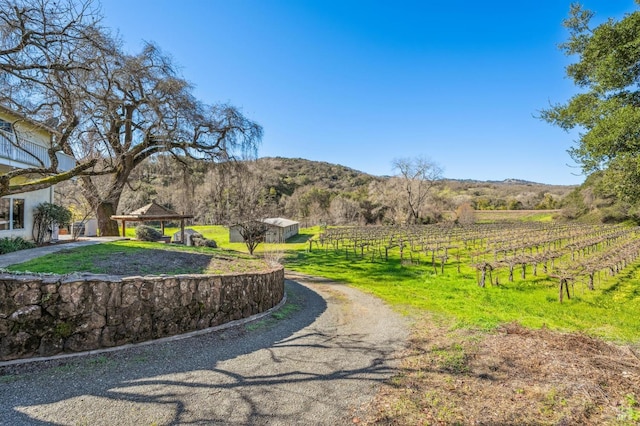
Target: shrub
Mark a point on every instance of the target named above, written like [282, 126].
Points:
[45, 216]
[8, 245]
[274, 257]
[465, 214]
[147, 233]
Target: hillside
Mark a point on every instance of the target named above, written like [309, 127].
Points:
[314, 192]
[288, 174]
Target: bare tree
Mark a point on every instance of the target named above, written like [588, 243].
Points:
[253, 233]
[113, 110]
[213, 196]
[47, 49]
[67, 195]
[142, 108]
[418, 175]
[251, 206]
[344, 211]
[387, 201]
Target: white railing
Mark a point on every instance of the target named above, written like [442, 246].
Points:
[30, 153]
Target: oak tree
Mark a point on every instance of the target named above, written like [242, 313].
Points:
[141, 108]
[46, 50]
[606, 112]
[112, 110]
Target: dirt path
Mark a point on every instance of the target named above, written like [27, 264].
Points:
[317, 361]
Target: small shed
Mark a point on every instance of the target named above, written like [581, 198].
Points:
[153, 212]
[278, 230]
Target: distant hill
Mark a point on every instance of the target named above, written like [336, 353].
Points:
[322, 192]
[288, 174]
[516, 182]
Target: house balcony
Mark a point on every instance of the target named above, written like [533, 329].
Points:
[29, 154]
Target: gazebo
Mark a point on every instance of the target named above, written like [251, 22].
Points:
[152, 212]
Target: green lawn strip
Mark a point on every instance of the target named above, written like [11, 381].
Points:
[610, 311]
[220, 234]
[539, 217]
[493, 216]
[80, 259]
[83, 259]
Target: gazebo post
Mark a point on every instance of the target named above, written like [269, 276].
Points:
[182, 232]
[152, 212]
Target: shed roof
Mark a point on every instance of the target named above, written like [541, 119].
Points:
[279, 221]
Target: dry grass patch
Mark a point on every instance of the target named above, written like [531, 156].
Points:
[513, 376]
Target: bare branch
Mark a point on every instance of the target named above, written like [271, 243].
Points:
[418, 175]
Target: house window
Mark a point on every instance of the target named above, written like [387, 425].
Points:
[11, 213]
[5, 214]
[6, 126]
[17, 215]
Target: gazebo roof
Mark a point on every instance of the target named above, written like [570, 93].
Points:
[150, 212]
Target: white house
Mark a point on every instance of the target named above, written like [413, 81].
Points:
[23, 144]
[278, 230]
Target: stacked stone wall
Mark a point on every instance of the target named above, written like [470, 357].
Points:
[49, 315]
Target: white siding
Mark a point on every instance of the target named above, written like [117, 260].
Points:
[234, 235]
[279, 230]
[31, 201]
[36, 140]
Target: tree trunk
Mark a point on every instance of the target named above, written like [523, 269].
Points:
[564, 282]
[107, 227]
[104, 200]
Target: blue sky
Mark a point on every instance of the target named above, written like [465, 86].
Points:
[360, 82]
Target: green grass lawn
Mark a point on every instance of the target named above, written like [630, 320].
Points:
[611, 311]
[220, 234]
[488, 216]
[88, 259]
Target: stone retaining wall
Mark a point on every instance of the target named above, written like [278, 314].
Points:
[48, 315]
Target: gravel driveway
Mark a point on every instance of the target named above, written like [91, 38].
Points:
[316, 361]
